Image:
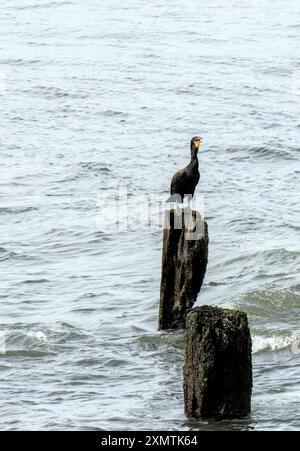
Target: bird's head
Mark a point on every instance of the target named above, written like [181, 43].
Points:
[195, 142]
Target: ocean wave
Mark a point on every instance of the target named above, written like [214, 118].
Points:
[269, 304]
[54, 92]
[26, 353]
[38, 335]
[278, 298]
[16, 209]
[161, 341]
[37, 340]
[73, 247]
[87, 166]
[45, 4]
[21, 343]
[277, 151]
[68, 178]
[30, 281]
[276, 343]
[4, 254]
[20, 61]
[260, 262]
[113, 113]
[7, 255]
[279, 253]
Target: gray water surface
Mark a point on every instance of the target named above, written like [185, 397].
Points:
[100, 94]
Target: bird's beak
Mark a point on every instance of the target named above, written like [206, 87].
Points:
[197, 143]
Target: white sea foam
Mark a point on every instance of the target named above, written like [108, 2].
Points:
[39, 336]
[276, 343]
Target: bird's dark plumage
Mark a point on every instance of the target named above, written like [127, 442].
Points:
[184, 182]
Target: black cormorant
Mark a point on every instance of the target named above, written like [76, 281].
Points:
[184, 182]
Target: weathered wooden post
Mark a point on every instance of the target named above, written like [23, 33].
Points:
[218, 364]
[184, 261]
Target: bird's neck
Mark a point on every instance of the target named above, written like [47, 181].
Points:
[194, 155]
